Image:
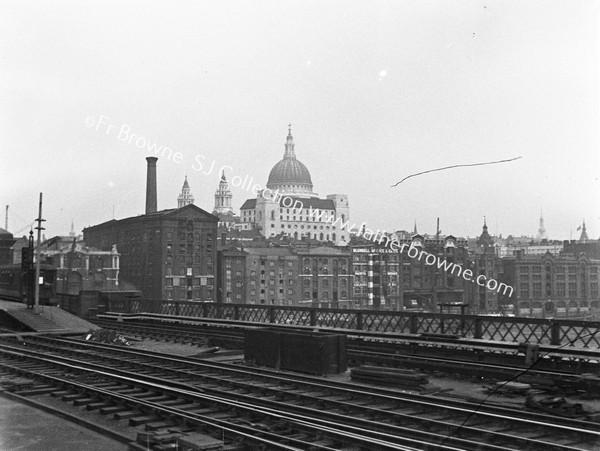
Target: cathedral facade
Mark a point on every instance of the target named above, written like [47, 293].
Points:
[289, 206]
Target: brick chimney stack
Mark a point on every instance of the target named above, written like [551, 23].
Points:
[151, 185]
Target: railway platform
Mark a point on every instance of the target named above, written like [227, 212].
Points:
[43, 319]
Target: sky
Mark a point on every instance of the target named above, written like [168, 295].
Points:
[375, 91]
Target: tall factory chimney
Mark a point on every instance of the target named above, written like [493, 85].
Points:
[151, 185]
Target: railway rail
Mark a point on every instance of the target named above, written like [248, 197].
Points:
[253, 407]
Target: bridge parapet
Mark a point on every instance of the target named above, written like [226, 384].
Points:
[557, 332]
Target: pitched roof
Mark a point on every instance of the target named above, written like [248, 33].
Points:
[249, 204]
[159, 214]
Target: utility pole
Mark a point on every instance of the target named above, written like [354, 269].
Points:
[6, 220]
[435, 271]
[39, 229]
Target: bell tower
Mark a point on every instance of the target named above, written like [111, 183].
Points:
[223, 197]
[186, 197]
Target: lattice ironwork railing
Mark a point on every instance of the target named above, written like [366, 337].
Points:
[531, 330]
[559, 332]
[580, 334]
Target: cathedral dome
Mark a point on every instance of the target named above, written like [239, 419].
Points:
[290, 175]
[289, 171]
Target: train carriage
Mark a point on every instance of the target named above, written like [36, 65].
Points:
[13, 286]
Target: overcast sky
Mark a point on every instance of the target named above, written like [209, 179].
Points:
[375, 91]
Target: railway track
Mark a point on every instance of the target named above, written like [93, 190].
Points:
[253, 407]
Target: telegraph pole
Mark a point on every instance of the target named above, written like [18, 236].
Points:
[39, 229]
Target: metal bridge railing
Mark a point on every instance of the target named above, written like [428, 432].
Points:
[558, 332]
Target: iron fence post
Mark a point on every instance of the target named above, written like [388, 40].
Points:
[359, 320]
[414, 324]
[478, 328]
[313, 317]
[555, 332]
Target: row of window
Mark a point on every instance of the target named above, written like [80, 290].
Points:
[324, 282]
[272, 291]
[189, 271]
[190, 248]
[571, 269]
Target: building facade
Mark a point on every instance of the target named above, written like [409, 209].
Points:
[169, 254]
[376, 276]
[79, 267]
[231, 275]
[271, 276]
[425, 286]
[556, 285]
[325, 276]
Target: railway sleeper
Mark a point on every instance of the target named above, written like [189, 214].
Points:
[36, 390]
[73, 396]
[139, 420]
[97, 405]
[164, 424]
[83, 401]
[113, 409]
[126, 414]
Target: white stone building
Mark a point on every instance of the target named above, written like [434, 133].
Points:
[288, 205]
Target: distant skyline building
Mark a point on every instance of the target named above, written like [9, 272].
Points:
[223, 197]
[223, 210]
[584, 236]
[542, 230]
[488, 264]
[289, 206]
[185, 197]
